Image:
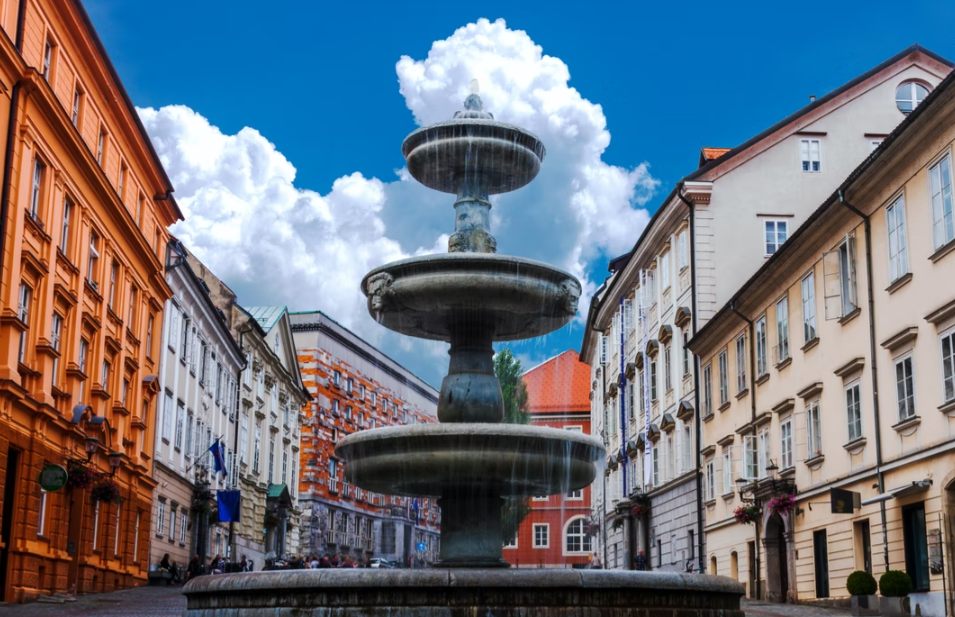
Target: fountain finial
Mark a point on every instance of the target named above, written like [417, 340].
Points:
[473, 105]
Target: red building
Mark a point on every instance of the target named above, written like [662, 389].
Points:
[553, 534]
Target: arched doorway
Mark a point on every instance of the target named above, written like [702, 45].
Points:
[948, 537]
[777, 556]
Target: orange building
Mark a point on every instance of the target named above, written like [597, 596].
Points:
[84, 207]
[555, 532]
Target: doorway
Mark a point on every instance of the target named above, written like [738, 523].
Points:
[751, 554]
[916, 545]
[777, 560]
[820, 555]
[6, 523]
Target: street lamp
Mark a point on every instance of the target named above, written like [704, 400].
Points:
[115, 458]
[91, 444]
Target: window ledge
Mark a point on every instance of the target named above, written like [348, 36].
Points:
[707, 417]
[907, 423]
[943, 250]
[787, 472]
[742, 393]
[850, 316]
[948, 407]
[899, 283]
[810, 343]
[724, 406]
[855, 444]
[815, 461]
[710, 503]
[728, 496]
[762, 379]
[784, 363]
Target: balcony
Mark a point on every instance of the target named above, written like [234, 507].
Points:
[333, 485]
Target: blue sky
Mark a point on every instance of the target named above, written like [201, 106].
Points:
[318, 80]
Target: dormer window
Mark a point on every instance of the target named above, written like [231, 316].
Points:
[909, 95]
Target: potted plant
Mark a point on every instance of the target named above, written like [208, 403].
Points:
[641, 505]
[780, 505]
[80, 475]
[746, 515]
[105, 490]
[862, 587]
[895, 586]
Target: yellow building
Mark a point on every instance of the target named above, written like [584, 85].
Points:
[833, 367]
[84, 207]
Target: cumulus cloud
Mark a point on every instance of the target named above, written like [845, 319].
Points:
[278, 243]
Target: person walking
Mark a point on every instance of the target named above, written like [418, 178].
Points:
[640, 561]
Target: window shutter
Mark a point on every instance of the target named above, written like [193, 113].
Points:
[750, 462]
[851, 250]
[832, 286]
[718, 472]
[800, 449]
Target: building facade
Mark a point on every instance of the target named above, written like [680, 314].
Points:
[270, 395]
[557, 532]
[355, 387]
[84, 208]
[714, 229]
[860, 394]
[198, 377]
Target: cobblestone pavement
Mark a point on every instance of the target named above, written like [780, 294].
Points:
[136, 602]
[755, 608]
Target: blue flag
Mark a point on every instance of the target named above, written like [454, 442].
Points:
[228, 506]
[414, 507]
[218, 457]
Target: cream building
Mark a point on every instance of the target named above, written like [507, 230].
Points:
[716, 227]
[850, 384]
[200, 366]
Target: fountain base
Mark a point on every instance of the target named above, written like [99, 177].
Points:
[462, 593]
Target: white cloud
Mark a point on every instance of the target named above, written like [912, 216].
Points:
[277, 243]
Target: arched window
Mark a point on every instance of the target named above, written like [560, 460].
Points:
[734, 565]
[713, 564]
[576, 539]
[908, 96]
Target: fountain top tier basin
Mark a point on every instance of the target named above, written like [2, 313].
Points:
[503, 459]
[488, 156]
[436, 296]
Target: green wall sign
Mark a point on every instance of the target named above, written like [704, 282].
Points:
[53, 477]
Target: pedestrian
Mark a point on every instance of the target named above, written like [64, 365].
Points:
[324, 563]
[194, 569]
[244, 564]
[336, 562]
[215, 564]
[640, 562]
[313, 562]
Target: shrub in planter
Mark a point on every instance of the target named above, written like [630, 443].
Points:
[861, 583]
[895, 584]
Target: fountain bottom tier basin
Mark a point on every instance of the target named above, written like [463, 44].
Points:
[462, 593]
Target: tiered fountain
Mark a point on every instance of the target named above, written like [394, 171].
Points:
[470, 460]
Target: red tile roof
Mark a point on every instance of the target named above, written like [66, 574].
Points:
[560, 384]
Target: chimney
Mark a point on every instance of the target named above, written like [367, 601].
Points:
[812, 98]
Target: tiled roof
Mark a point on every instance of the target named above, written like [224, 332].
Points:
[267, 316]
[711, 154]
[561, 384]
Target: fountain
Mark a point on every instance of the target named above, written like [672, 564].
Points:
[469, 297]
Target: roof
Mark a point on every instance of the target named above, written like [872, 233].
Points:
[560, 384]
[619, 263]
[280, 492]
[267, 316]
[794, 242]
[711, 154]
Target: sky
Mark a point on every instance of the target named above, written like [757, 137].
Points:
[281, 123]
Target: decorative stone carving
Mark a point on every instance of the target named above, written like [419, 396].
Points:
[380, 293]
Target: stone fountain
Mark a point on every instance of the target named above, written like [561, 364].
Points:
[469, 297]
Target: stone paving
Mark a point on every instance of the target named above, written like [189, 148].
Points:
[168, 602]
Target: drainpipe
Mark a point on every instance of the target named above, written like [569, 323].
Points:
[624, 458]
[11, 129]
[867, 224]
[697, 420]
[752, 400]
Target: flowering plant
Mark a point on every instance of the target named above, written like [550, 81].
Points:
[781, 504]
[80, 475]
[592, 529]
[640, 510]
[746, 515]
[105, 490]
[617, 523]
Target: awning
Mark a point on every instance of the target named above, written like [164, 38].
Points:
[902, 491]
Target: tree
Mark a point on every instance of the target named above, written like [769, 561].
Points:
[510, 373]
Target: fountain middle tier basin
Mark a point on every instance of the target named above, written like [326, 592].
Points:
[435, 295]
[436, 459]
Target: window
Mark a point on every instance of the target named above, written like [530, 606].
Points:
[131, 322]
[284, 466]
[724, 378]
[651, 290]
[84, 348]
[184, 339]
[113, 273]
[23, 313]
[761, 364]
[686, 353]
[167, 417]
[107, 369]
[782, 329]
[905, 388]
[667, 369]
[183, 523]
[741, 364]
[65, 233]
[909, 95]
[99, 146]
[898, 250]
[257, 446]
[541, 533]
[728, 478]
[751, 452]
[809, 307]
[948, 366]
[160, 517]
[577, 541]
[915, 541]
[710, 480]
[655, 459]
[124, 391]
[93, 259]
[786, 443]
[122, 182]
[940, 177]
[765, 451]
[47, 60]
[603, 348]
[809, 154]
[136, 538]
[349, 383]
[149, 336]
[190, 445]
[271, 475]
[511, 543]
[813, 430]
[77, 99]
[140, 206]
[39, 169]
[41, 523]
[853, 412]
[665, 271]
[776, 234]
[653, 379]
[338, 378]
[172, 525]
[119, 518]
[686, 449]
[707, 390]
[839, 272]
[180, 418]
[361, 392]
[681, 249]
[55, 334]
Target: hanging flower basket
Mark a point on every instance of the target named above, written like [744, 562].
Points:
[80, 475]
[617, 523]
[780, 505]
[747, 515]
[202, 500]
[640, 510]
[592, 529]
[105, 491]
